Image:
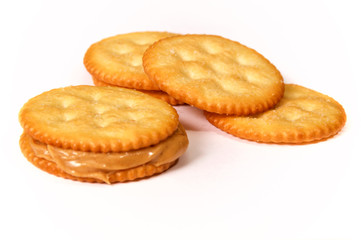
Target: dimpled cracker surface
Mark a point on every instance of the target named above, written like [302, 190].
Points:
[118, 60]
[214, 74]
[98, 119]
[302, 115]
[143, 171]
[154, 93]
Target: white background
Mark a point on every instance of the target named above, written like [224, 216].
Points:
[223, 187]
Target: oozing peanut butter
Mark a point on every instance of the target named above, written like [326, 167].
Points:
[101, 165]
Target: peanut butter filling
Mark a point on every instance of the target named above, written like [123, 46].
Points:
[101, 165]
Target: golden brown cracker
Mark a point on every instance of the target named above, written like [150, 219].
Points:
[154, 93]
[303, 115]
[118, 60]
[214, 74]
[139, 172]
[98, 119]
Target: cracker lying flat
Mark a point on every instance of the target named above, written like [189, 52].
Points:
[118, 60]
[154, 93]
[214, 74]
[142, 171]
[302, 115]
[98, 119]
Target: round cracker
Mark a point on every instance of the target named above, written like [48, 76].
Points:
[143, 171]
[303, 115]
[118, 60]
[214, 74]
[154, 93]
[98, 119]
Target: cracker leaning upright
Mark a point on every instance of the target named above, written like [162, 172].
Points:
[107, 131]
[214, 74]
